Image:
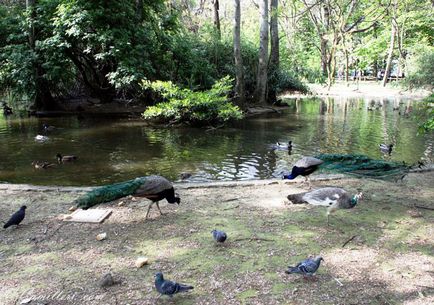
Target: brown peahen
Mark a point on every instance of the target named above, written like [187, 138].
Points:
[154, 188]
[334, 198]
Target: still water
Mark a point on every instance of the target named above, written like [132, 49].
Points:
[116, 149]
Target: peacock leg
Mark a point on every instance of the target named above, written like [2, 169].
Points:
[149, 208]
[161, 213]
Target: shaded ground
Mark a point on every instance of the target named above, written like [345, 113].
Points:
[389, 261]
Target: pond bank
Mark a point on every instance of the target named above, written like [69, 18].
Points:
[387, 237]
[364, 89]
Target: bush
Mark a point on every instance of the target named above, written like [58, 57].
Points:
[197, 108]
[427, 115]
[421, 71]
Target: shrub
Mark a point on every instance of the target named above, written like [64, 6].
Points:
[194, 107]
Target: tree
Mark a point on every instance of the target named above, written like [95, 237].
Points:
[217, 18]
[274, 51]
[262, 74]
[239, 75]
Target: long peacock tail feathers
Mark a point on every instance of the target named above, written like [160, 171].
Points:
[109, 192]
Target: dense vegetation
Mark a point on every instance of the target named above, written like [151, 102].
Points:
[55, 50]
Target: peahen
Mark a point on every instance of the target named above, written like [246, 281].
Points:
[154, 188]
[307, 267]
[334, 198]
[386, 149]
[304, 167]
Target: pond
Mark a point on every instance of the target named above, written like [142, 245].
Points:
[113, 149]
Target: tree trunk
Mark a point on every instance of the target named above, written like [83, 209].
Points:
[139, 10]
[239, 77]
[390, 54]
[323, 51]
[42, 100]
[274, 52]
[217, 19]
[262, 75]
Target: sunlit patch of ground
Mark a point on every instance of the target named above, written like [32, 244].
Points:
[380, 252]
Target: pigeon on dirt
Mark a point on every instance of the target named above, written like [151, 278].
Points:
[16, 218]
[219, 236]
[307, 267]
[165, 287]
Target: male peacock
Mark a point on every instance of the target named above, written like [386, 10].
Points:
[304, 167]
[154, 188]
[334, 198]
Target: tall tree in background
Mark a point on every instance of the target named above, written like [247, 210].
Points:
[240, 94]
[273, 69]
[217, 18]
[262, 76]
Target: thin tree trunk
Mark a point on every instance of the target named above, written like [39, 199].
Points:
[274, 52]
[217, 18]
[139, 10]
[390, 54]
[262, 76]
[43, 100]
[239, 77]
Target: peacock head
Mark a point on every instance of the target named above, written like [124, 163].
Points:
[356, 198]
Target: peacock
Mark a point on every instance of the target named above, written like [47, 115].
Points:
[364, 166]
[153, 187]
[304, 167]
[334, 198]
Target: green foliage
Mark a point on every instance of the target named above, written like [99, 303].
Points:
[427, 115]
[195, 107]
[421, 71]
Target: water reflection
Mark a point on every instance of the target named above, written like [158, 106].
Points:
[114, 149]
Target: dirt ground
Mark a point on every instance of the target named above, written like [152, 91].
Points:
[363, 89]
[388, 256]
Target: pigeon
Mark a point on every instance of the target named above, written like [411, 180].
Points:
[16, 218]
[334, 198]
[307, 267]
[304, 167]
[386, 149]
[169, 288]
[219, 236]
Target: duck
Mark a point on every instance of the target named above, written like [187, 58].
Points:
[304, 167]
[282, 146]
[386, 149]
[335, 198]
[62, 159]
[48, 127]
[42, 164]
[6, 109]
[41, 138]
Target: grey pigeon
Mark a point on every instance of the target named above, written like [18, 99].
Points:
[219, 236]
[334, 198]
[308, 267]
[16, 218]
[169, 288]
